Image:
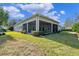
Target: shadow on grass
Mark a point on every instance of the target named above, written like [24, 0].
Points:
[4, 38]
[65, 38]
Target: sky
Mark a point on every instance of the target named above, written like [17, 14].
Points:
[56, 11]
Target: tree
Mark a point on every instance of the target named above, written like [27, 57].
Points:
[3, 17]
[11, 24]
[68, 23]
[76, 27]
[76, 18]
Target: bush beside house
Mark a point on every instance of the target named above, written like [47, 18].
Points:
[11, 28]
[35, 33]
[23, 31]
[75, 27]
[40, 33]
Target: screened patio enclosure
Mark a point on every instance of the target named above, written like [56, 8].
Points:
[43, 26]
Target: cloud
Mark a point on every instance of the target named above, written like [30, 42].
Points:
[52, 16]
[52, 13]
[62, 12]
[16, 15]
[37, 8]
[46, 9]
[59, 15]
[41, 9]
[11, 9]
[13, 12]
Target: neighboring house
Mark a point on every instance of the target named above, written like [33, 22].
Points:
[68, 28]
[37, 23]
[60, 27]
[3, 27]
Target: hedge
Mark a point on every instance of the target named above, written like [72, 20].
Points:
[75, 27]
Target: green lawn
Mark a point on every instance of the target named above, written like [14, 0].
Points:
[15, 43]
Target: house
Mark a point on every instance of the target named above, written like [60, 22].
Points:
[37, 23]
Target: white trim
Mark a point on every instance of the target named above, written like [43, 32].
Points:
[51, 27]
[37, 25]
[27, 27]
[48, 21]
[37, 19]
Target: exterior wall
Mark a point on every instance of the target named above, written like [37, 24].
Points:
[37, 19]
[44, 26]
[18, 28]
[25, 27]
[31, 26]
[46, 20]
[51, 27]
[37, 25]
[59, 28]
[30, 20]
[55, 28]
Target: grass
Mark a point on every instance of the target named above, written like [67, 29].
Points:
[15, 43]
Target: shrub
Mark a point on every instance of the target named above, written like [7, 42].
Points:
[11, 28]
[40, 33]
[4, 30]
[24, 31]
[43, 33]
[35, 33]
[66, 30]
[76, 27]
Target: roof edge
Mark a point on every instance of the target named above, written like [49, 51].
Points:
[33, 16]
